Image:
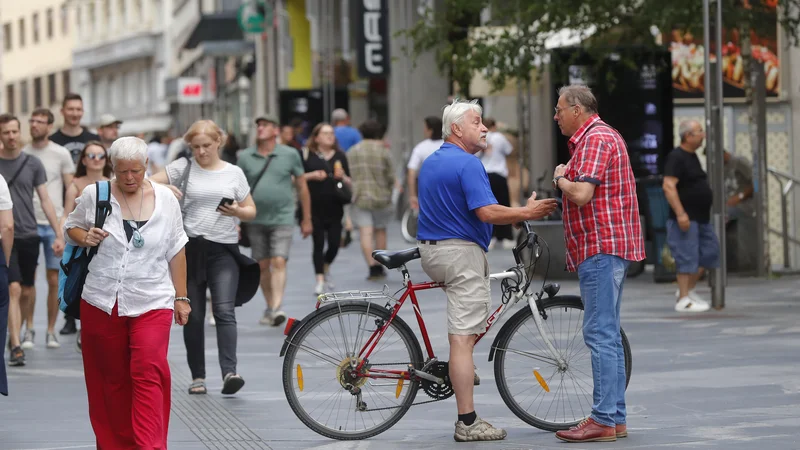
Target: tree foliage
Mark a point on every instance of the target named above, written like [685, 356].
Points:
[520, 32]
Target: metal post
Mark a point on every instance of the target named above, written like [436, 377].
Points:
[758, 136]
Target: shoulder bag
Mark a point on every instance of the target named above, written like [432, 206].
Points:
[343, 193]
[244, 237]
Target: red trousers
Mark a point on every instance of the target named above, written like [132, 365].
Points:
[127, 377]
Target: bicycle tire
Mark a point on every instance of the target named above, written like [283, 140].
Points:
[318, 317]
[408, 225]
[504, 336]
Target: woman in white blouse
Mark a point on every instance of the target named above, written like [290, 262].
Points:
[135, 288]
[215, 197]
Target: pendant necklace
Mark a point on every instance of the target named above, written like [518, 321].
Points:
[138, 240]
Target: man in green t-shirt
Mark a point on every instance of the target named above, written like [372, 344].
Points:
[274, 194]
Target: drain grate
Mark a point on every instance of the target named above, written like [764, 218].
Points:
[214, 425]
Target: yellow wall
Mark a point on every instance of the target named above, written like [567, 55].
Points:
[300, 32]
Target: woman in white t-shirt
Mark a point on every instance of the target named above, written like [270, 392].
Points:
[214, 196]
[433, 140]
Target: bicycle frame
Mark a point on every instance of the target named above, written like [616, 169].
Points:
[411, 290]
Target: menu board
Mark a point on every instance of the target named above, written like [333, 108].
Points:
[688, 70]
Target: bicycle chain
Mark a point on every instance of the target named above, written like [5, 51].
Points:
[400, 406]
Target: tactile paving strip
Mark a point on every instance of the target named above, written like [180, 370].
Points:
[214, 425]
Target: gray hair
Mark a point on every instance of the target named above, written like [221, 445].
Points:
[454, 113]
[579, 94]
[129, 148]
[339, 115]
[686, 127]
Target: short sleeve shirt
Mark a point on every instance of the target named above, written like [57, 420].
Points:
[501, 148]
[324, 202]
[205, 190]
[452, 185]
[274, 194]
[421, 152]
[74, 144]
[5, 196]
[346, 137]
[22, 190]
[694, 191]
[57, 162]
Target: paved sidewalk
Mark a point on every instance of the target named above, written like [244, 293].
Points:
[718, 380]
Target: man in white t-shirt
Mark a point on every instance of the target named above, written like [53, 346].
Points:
[7, 238]
[60, 169]
[494, 161]
[433, 140]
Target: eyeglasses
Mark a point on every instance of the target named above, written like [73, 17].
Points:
[558, 110]
[96, 156]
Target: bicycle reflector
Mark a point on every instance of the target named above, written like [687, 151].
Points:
[539, 378]
[399, 389]
[288, 328]
[300, 378]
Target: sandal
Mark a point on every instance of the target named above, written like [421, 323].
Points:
[231, 384]
[198, 387]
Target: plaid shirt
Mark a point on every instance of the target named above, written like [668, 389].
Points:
[609, 223]
[372, 174]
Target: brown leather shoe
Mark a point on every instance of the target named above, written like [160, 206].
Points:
[622, 430]
[588, 431]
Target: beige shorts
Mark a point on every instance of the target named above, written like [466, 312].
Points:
[463, 268]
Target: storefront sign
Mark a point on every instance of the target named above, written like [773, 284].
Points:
[190, 90]
[372, 38]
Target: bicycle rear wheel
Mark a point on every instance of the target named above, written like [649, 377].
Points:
[529, 380]
[321, 384]
[408, 225]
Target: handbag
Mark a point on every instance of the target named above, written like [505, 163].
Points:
[244, 237]
[75, 260]
[343, 193]
[183, 182]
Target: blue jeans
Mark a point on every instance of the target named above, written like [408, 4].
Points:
[697, 247]
[601, 278]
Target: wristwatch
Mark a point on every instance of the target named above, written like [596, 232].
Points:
[183, 299]
[741, 195]
[555, 181]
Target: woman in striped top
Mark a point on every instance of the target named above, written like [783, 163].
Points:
[214, 196]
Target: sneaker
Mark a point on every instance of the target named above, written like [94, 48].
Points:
[688, 304]
[27, 341]
[319, 288]
[69, 327]
[78, 347]
[16, 357]
[268, 318]
[278, 317]
[51, 341]
[480, 430]
[211, 320]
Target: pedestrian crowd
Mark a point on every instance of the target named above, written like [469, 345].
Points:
[182, 210]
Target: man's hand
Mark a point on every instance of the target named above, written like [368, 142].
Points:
[182, 310]
[683, 222]
[413, 203]
[306, 228]
[560, 171]
[540, 208]
[58, 247]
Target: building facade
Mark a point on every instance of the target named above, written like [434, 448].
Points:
[35, 55]
[121, 60]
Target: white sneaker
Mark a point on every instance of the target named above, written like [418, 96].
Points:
[688, 304]
[694, 296]
[27, 340]
[480, 430]
[52, 341]
[211, 320]
[319, 288]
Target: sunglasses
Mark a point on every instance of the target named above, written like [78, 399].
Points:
[95, 156]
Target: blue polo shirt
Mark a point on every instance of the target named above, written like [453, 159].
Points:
[347, 137]
[452, 184]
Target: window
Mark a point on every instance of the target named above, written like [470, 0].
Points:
[37, 92]
[92, 23]
[7, 36]
[10, 107]
[35, 26]
[51, 89]
[64, 19]
[50, 23]
[22, 33]
[65, 81]
[23, 97]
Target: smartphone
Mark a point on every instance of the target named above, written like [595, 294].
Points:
[225, 202]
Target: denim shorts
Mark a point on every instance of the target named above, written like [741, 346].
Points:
[48, 236]
[692, 249]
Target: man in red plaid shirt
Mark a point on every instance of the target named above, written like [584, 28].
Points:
[603, 235]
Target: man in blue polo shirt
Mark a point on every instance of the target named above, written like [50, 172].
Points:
[456, 213]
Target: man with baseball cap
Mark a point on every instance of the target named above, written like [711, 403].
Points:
[108, 129]
[274, 171]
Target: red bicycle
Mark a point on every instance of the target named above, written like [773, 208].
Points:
[352, 368]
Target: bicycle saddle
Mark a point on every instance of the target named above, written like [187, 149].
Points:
[393, 260]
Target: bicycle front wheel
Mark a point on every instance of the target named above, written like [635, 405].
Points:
[321, 383]
[529, 379]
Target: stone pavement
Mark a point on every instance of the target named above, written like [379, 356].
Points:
[723, 379]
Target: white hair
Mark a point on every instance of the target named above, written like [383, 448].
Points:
[129, 148]
[339, 115]
[686, 127]
[455, 112]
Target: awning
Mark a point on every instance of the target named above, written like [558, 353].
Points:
[222, 26]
